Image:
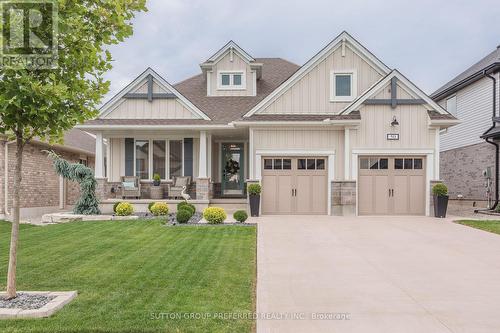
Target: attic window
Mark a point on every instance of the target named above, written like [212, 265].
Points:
[451, 105]
[343, 86]
[231, 81]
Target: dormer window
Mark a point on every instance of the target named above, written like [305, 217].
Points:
[231, 81]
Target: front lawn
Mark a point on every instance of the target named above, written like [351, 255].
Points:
[487, 225]
[136, 276]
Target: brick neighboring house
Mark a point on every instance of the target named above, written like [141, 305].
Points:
[471, 97]
[42, 191]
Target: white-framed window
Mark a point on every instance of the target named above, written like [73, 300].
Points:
[451, 105]
[231, 80]
[343, 86]
[158, 156]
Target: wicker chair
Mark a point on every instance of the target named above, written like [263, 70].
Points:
[174, 190]
[131, 187]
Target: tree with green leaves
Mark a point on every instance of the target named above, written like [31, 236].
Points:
[44, 103]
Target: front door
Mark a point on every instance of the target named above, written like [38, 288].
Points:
[233, 176]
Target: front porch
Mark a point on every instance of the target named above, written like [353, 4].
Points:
[214, 164]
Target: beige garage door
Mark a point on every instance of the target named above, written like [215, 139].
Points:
[294, 185]
[391, 185]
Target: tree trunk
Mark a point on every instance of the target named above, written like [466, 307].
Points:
[11, 274]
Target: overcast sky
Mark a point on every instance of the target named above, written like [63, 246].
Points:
[428, 41]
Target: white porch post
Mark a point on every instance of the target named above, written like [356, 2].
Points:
[347, 154]
[202, 164]
[99, 156]
[209, 157]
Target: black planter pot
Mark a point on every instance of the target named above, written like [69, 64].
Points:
[156, 182]
[254, 205]
[440, 205]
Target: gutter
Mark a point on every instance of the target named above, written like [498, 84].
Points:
[148, 127]
[325, 122]
[468, 80]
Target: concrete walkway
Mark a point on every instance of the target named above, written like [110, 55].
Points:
[385, 274]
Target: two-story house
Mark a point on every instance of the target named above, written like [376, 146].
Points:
[342, 134]
[467, 160]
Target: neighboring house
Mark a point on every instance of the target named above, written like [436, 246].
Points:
[42, 190]
[343, 134]
[470, 97]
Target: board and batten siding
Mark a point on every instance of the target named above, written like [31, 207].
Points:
[309, 139]
[157, 109]
[226, 65]
[474, 110]
[413, 128]
[311, 94]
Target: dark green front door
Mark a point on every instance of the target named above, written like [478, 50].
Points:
[232, 169]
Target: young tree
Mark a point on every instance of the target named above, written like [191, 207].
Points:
[44, 103]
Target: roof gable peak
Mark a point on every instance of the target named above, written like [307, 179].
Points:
[230, 46]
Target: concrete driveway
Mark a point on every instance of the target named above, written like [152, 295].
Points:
[387, 274]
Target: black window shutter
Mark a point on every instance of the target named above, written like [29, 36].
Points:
[188, 157]
[129, 156]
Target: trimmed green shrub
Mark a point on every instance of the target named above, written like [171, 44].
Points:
[116, 205]
[151, 205]
[157, 177]
[124, 209]
[254, 189]
[240, 216]
[214, 215]
[440, 189]
[159, 209]
[185, 204]
[183, 215]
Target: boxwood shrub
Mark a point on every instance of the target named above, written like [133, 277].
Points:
[214, 215]
[159, 209]
[151, 205]
[240, 216]
[440, 189]
[185, 204]
[183, 215]
[116, 205]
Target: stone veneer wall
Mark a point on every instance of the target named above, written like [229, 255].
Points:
[40, 183]
[104, 190]
[462, 170]
[344, 198]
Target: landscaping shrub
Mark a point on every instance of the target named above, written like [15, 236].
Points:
[183, 215]
[440, 189]
[116, 205]
[124, 209]
[240, 216]
[254, 189]
[150, 205]
[159, 209]
[214, 215]
[185, 204]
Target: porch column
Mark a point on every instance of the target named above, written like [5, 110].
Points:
[99, 156]
[203, 155]
[209, 155]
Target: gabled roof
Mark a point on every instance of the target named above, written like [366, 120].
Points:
[325, 52]
[230, 45]
[113, 102]
[354, 106]
[489, 63]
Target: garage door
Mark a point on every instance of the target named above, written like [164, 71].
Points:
[391, 185]
[294, 185]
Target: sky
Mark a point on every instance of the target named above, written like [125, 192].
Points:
[430, 42]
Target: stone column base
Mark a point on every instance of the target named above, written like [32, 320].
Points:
[101, 191]
[202, 188]
[344, 198]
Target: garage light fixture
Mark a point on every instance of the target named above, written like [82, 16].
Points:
[394, 121]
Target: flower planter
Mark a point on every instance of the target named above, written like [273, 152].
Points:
[440, 205]
[254, 205]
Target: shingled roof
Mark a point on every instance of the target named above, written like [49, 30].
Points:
[468, 76]
[224, 109]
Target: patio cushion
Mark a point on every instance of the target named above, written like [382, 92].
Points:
[128, 184]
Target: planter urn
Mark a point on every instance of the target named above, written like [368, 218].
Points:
[440, 205]
[254, 205]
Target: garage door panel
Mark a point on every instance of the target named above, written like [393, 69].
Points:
[381, 191]
[319, 199]
[269, 194]
[365, 194]
[303, 200]
[401, 195]
[284, 195]
[417, 201]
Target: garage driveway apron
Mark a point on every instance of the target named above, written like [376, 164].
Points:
[389, 274]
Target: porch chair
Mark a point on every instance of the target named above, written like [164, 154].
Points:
[131, 187]
[175, 189]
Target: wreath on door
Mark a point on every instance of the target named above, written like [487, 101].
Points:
[232, 167]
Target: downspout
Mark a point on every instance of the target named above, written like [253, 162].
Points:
[497, 148]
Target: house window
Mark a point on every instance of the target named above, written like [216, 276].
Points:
[175, 158]
[159, 158]
[142, 159]
[83, 161]
[451, 105]
[343, 86]
[231, 80]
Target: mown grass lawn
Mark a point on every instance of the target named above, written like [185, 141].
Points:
[129, 275]
[487, 225]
